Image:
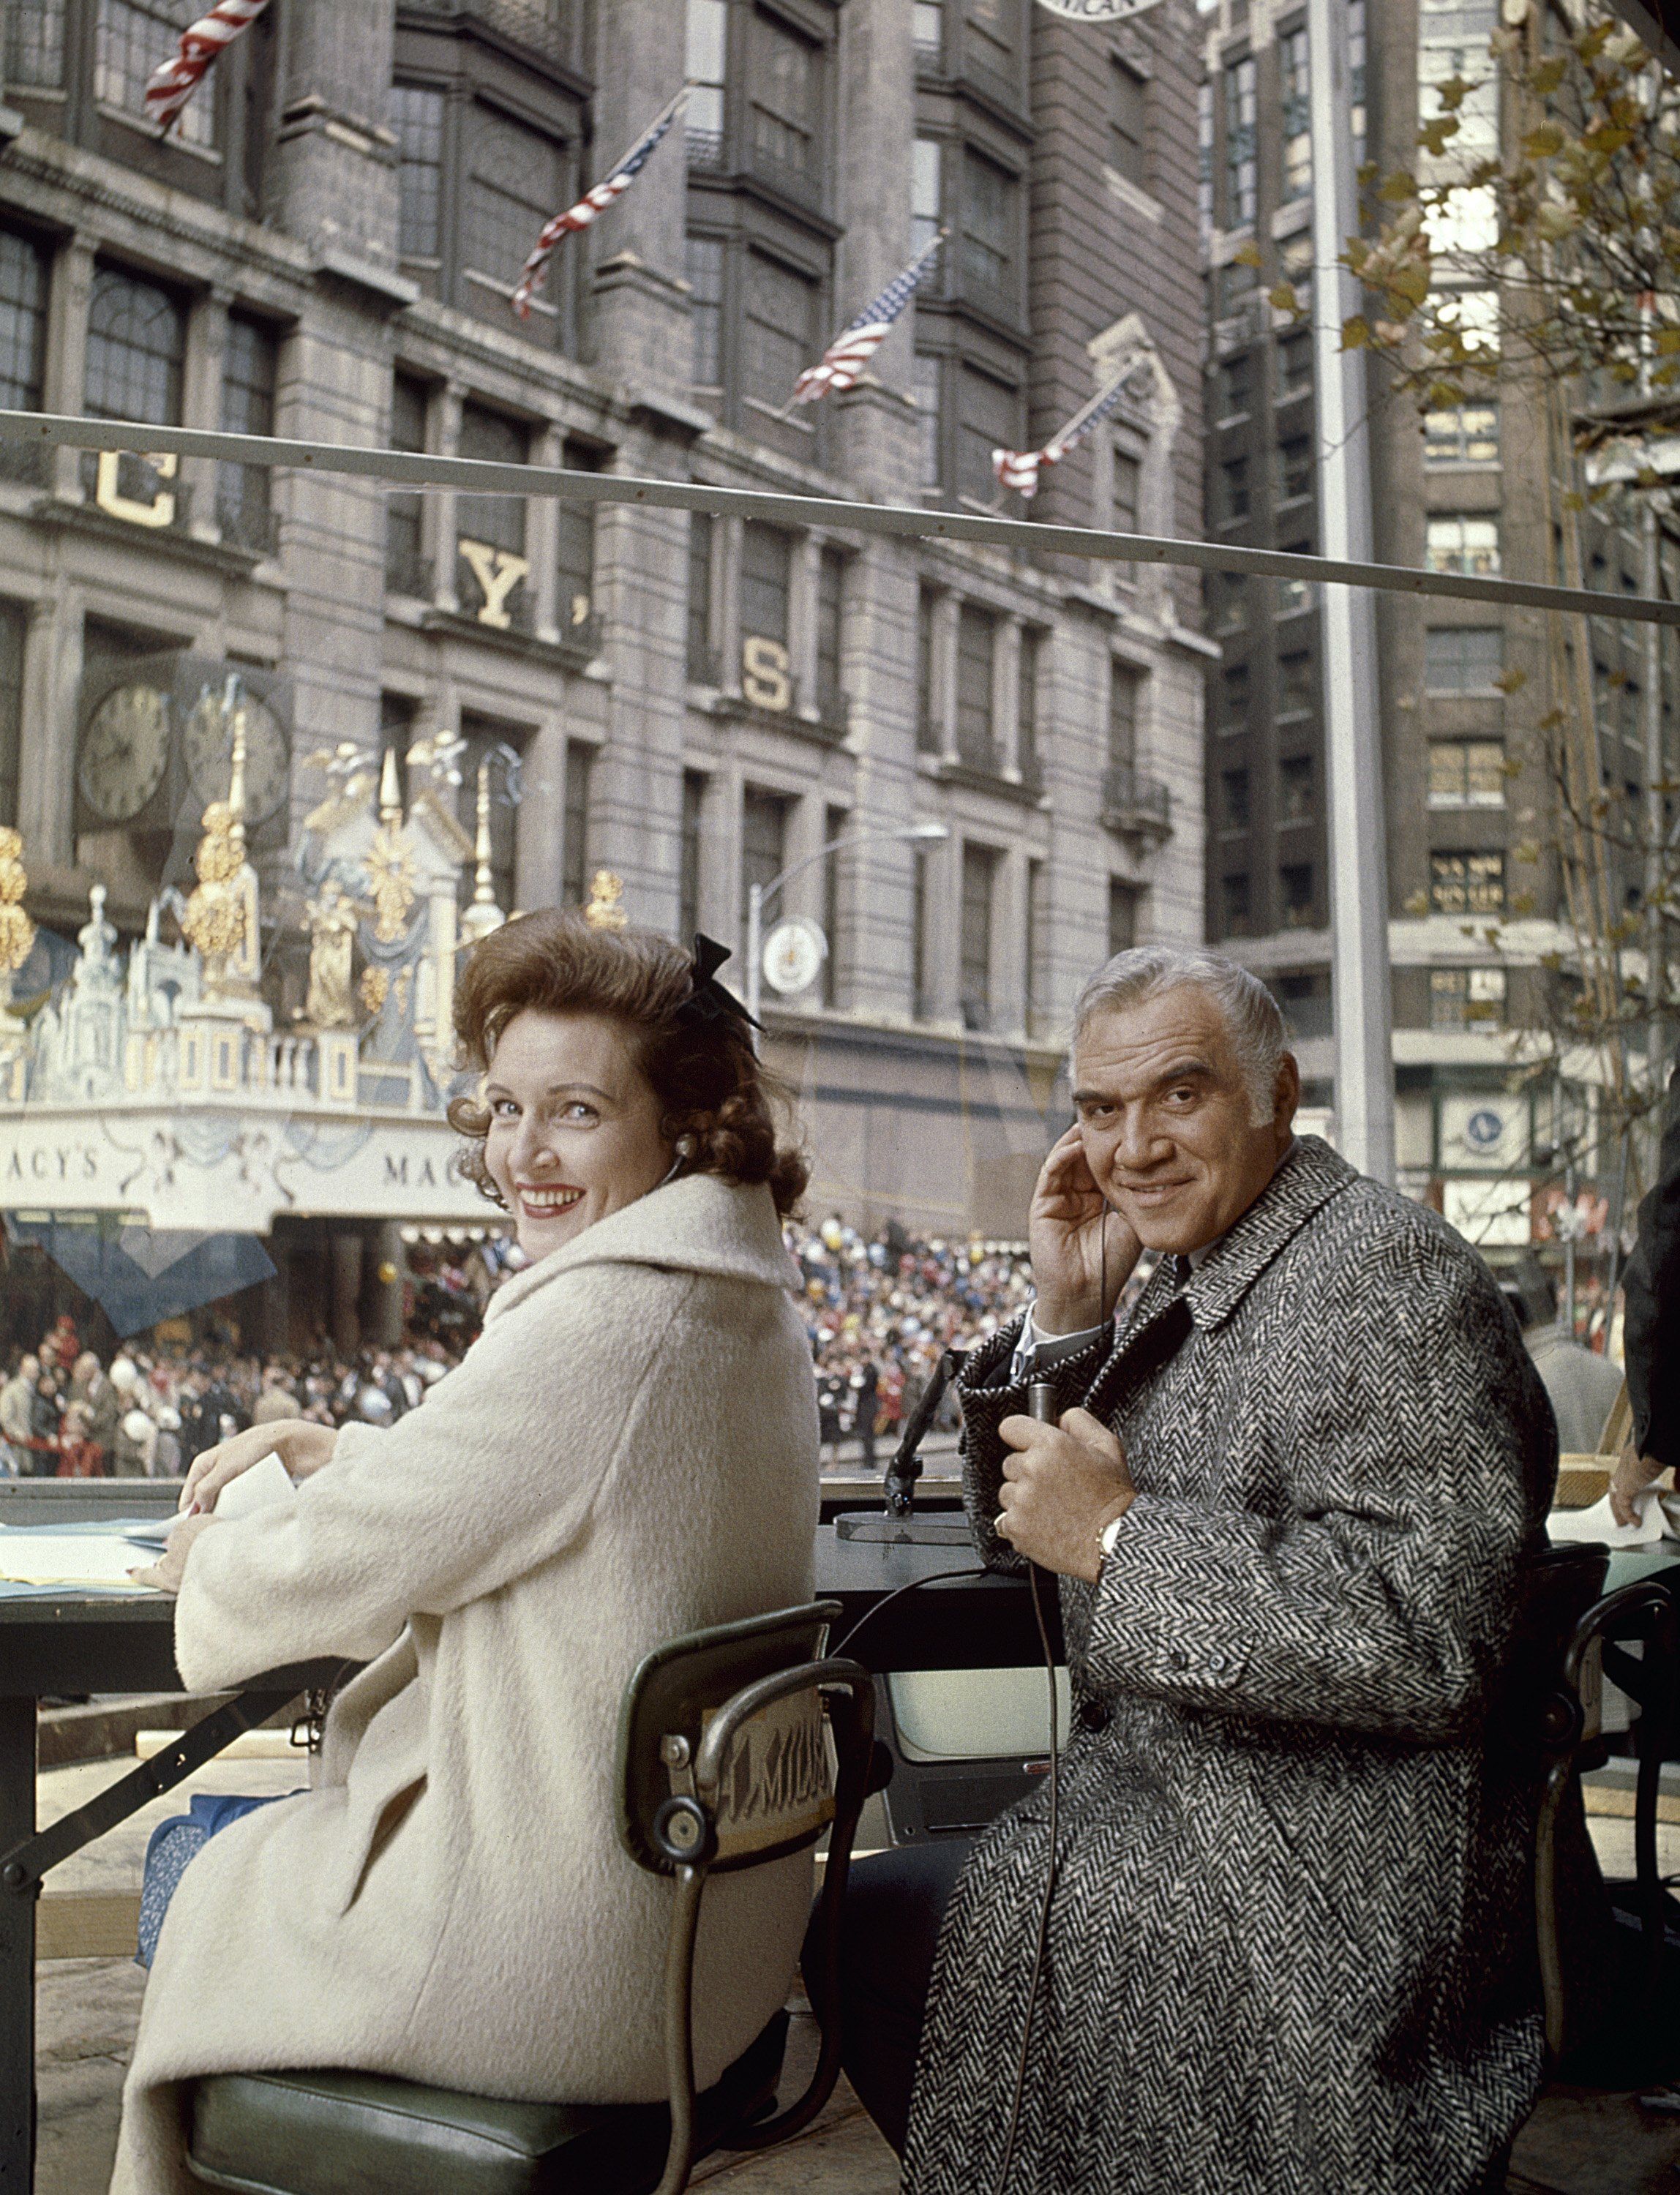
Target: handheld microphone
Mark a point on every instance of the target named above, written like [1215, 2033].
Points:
[1042, 1402]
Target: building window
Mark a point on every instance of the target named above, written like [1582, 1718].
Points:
[763, 842]
[575, 553]
[766, 582]
[1462, 544]
[1295, 365]
[781, 312]
[1467, 773]
[1305, 1000]
[1027, 706]
[1235, 912]
[1205, 163]
[491, 573]
[1295, 266]
[1296, 594]
[785, 96]
[514, 183]
[23, 345]
[1128, 121]
[1234, 799]
[989, 201]
[927, 31]
[34, 47]
[706, 309]
[926, 379]
[250, 368]
[1297, 689]
[921, 986]
[1035, 986]
[575, 838]
[1292, 69]
[1452, 44]
[927, 729]
[1122, 915]
[703, 116]
[417, 118]
[1233, 387]
[1230, 594]
[131, 37]
[702, 657]
[1234, 285]
[1467, 998]
[990, 420]
[12, 630]
[1233, 713]
[1356, 118]
[1128, 486]
[980, 867]
[1467, 883]
[1463, 658]
[1294, 891]
[835, 821]
[926, 199]
[1467, 434]
[687, 874]
[137, 343]
[404, 571]
[830, 634]
[1295, 789]
[1240, 115]
[1294, 467]
[976, 635]
[1122, 713]
[1234, 490]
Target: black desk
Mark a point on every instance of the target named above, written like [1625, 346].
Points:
[57, 1641]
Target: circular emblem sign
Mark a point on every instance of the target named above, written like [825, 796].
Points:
[794, 953]
[1484, 1128]
[1097, 11]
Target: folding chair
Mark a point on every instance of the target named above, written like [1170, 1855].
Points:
[725, 1762]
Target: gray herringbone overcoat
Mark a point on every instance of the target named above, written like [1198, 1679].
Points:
[1291, 1947]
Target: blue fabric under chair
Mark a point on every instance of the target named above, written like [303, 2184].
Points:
[176, 1842]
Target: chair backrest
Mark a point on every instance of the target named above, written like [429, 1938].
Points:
[725, 1761]
[777, 1794]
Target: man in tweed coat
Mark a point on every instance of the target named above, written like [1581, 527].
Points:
[1290, 1945]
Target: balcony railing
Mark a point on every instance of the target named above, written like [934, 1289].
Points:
[1133, 802]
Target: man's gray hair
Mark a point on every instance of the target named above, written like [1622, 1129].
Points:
[1251, 1014]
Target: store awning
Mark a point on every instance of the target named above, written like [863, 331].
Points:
[139, 1274]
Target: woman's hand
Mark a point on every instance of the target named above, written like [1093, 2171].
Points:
[1078, 1242]
[1633, 1474]
[302, 1447]
[165, 1575]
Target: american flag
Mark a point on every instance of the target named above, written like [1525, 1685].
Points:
[171, 85]
[1019, 469]
[594, 200]
[859, 340]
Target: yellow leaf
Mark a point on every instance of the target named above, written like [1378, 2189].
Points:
[1668, 341]
[1398, 188]
[1540, 144]
[1356, 333]
[1284, 297]
[1511, 682]
[1410, 283]
[1248, 256]
[1416, 902]
[1575, 500]
[1548, 76]
[1434, 134]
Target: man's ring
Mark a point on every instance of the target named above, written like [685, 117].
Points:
[1001, 1520]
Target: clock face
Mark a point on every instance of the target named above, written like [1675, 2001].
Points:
[124, 751]
[209, 748]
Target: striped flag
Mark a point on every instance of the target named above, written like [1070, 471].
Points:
[169, 86]
[594, 200]
[1019, 469]
[856, 344]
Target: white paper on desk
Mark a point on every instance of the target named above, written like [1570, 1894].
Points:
[266, 1485]
[29, 1556]
[1658, 1518]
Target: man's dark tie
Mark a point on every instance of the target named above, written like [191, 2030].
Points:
[1178, 1270]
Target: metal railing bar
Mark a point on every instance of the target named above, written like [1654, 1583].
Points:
[471, 475]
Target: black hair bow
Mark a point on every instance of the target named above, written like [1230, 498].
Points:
[708, 999]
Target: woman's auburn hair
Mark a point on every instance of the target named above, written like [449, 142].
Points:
[708, 1081]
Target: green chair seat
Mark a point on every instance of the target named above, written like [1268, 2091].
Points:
[366, 2134]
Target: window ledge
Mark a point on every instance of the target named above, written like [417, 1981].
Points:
[1022, 790]
[1131, 195]
[11, 125]
[461, 625]
[88, 518]
[148, 130]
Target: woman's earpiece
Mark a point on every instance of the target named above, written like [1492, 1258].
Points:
[685, 1147]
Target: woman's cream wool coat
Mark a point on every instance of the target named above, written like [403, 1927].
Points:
[628, 1452]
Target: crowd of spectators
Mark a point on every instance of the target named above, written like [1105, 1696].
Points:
[64, 1414]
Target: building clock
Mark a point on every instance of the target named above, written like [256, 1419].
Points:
[208, 745]
[125, 752]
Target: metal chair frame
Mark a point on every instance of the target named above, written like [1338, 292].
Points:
[685, 1832]
[1570, 1734]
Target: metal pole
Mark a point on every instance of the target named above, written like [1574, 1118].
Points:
[1359, 894]
[1656, 821]
[755, 943]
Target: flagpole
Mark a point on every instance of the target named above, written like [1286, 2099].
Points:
[923, 259]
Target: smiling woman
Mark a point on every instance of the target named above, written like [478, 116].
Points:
[627, 1453]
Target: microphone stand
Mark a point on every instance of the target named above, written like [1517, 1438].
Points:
[897, 1524]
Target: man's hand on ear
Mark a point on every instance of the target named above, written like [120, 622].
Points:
[1061, 1485]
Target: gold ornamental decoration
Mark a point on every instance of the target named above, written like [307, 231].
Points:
[390, 863]
[604, 911]
[214, 919]
[375, 987]
[17, 931]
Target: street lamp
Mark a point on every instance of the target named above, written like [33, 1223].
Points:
[924, 834]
